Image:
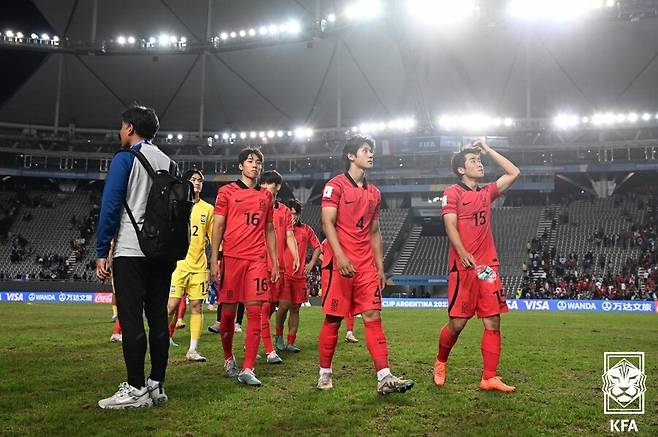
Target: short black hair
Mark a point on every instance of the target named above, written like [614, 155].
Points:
[188, 174]
[143, 119]
[271, 177]
[295, 204]
[459, 159]
[250, 150]
[354, 144]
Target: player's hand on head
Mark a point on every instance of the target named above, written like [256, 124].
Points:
[345, 267]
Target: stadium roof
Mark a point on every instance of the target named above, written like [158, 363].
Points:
[387, 68]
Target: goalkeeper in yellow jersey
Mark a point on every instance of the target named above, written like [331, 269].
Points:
[191, 274]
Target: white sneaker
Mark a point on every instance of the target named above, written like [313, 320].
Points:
[116, 338]
[238, 328]
[214, 328]
[156, 391]
[325, 381]
[115, 317]
[127, 397]
[273, 358]
[195, 357]
[231, 368]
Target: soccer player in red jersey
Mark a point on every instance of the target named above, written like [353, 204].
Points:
[294, 292]
[474, 285]
[353, 267]
[285, 245]
[243, 225]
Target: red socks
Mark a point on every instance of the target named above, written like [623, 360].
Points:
[349, 322]
[182, 307]
[117, 327]
[172, 327]
[252, 339]
[291, 338]
[279, 330]
[446, 341]
[227, 328]
[376, 342]
[265, 333]
[327, 343]
[490, 353]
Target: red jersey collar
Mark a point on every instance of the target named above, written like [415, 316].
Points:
[353, 182]
[467, 188]
[244, 186]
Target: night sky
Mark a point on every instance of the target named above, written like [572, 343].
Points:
[17, 66]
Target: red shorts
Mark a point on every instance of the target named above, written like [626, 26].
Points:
[294, 291]
[276, 287]
[468, 295]
[342, 295]
[243, 281]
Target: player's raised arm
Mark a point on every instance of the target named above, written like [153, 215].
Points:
[450, 222]
[512, 172]
[329, 214]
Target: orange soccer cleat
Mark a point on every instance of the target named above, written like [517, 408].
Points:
[496, 383]
[439, 373]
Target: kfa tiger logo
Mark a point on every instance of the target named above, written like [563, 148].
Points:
[203, 219]
[624, 383]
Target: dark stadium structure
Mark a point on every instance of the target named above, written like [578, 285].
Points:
[575, 108]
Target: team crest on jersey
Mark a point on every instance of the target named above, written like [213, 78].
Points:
[203, 219]
[261, 205]
[327, 191]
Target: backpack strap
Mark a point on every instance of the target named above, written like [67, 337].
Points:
[149, 169]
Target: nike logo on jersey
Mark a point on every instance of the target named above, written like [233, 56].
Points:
[466, 203]
[238, 200]
[347, 202]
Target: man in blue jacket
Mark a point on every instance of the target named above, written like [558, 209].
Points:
[141, 284]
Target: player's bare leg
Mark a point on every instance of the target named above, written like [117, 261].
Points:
[293, 326]
[447, 339]
[226, 337]
[491, 347]
[281, 314]
[172, 310]
[378, 348]
[196, 320]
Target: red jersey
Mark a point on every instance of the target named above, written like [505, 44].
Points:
[473, 209]
[357, 207]
[282, 224]
[304, 236]
[247, 211]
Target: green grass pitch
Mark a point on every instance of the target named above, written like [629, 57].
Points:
[56, 362]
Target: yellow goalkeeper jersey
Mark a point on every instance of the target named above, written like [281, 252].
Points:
[201, 221]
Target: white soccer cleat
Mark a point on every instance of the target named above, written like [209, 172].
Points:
[156, 391]
[211, 307]
[325, 382]
[214, 328]
[116, 338]
[195, 357]
[231, 368]
[248, 377]
[127, 397]
[274, 358]
[115, 317]
[393, 384]
[350, 338]
[238, 328]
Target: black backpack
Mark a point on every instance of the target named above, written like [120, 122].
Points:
[165, 233]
